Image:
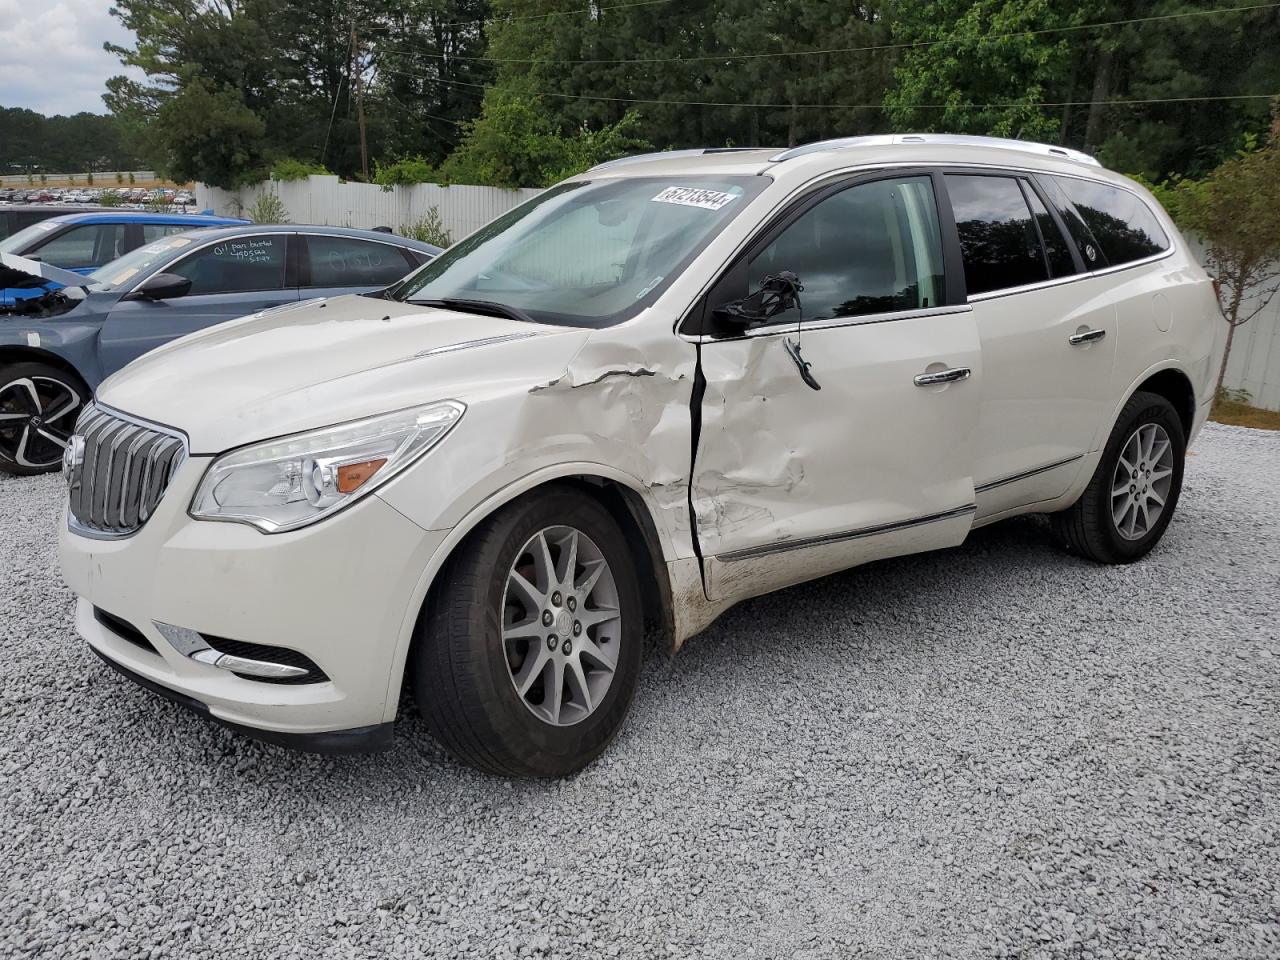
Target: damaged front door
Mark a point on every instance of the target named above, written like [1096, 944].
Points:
[795, 479]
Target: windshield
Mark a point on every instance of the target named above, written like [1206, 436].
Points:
[122, 270]
[24, 238]
[586, 254]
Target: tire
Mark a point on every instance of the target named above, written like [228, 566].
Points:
[39, 405]
[471, 650]
[1108, 527]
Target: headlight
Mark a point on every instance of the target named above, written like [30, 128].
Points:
[289, 483]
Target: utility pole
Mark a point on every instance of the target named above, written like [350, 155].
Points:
[364, 149]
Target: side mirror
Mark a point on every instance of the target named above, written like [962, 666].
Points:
[162, 286]
[778, 293]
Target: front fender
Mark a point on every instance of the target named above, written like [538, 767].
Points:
[61, 344]
[486, 508]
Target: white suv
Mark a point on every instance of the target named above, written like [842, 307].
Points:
[669, 384]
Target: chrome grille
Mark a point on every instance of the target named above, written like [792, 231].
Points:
[117, 471]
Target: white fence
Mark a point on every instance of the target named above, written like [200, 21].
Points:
[327, 200]
[1254, 365]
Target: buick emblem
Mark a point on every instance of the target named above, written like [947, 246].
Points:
[72, 456]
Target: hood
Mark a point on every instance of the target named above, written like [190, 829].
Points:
[16, 271]
[322, 362]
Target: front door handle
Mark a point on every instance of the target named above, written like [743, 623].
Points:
[1086, 336]
[942, 376]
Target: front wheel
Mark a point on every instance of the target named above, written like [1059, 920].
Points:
[1134, 491]
[39, 405]
[529, 652]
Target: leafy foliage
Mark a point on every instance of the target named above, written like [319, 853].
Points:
[428, 228]
[984, 85]
[288, 169]
[405, 173]
[268, 208]
[1235, 211]
[517, 143]
[29, 141]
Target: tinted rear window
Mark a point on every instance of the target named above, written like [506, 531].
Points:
[998, 241]
[1120, 221]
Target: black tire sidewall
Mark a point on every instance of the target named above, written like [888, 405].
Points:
[31, 368]
[1143, 408]
[520, 741]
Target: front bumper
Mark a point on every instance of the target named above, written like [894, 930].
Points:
[343, 592]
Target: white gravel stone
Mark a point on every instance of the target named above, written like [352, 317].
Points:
[997, 750]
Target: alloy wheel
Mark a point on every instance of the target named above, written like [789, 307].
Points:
[1142, 480]
[561, 626]
[37, 418]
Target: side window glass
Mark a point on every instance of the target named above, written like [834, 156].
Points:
[1061, 263]
[238, 265]
[156, 231]
[1120, 221]
[88, 245]
[348, 262]
[998, 241]
[874, 248]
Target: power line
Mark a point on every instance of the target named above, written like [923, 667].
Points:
[862, 106]
[912, 45]
[542, 16]
[334, 112]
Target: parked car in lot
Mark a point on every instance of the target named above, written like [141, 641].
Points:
[82, 242]
[21, 215]
[55, 350]
[659, 388]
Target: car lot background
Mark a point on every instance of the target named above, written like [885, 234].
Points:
[995, 750]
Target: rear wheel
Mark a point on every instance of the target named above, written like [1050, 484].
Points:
[1134, 491]
[39, 405]
[528, 656]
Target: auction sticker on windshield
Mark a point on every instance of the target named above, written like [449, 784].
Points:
[695, 197]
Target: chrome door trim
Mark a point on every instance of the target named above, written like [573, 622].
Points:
[1086, 337]
[1072, 278]
[834, 323]
[954, 375]
[784, 546]
[983, 488]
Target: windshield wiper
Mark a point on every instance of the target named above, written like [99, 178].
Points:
[489, 308]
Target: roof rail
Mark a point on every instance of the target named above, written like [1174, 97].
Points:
[666, 155]
[953, 139]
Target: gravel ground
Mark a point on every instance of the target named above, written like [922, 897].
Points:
[992, 751]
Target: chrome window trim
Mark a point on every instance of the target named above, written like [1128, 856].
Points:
[1026, 474]
[835, 323]
[1073, 278]
[785, 546]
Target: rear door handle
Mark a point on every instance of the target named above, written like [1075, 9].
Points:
[1086, 336]
[942, 376]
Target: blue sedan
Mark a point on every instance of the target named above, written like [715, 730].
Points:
[82, 242]
[56, 348]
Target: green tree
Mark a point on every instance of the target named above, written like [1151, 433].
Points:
[212, 136]
[295, 70]
[1236, 211]
[517, 143]
[967, 76]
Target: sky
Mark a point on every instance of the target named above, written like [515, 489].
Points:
[53, 61]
